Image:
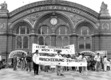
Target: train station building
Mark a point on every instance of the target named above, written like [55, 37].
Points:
[55, 23]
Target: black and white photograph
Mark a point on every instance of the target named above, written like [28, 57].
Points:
[55, 39]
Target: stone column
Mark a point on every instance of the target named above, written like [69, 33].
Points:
[74, 40]
[96, 42]
[32, 39]
[53, 39]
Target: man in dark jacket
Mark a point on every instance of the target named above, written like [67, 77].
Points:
[1, 62]
[35, 65]
[28, 61]
[59, 67]
[15, 63]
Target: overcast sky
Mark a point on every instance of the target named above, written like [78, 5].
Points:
[92, 4]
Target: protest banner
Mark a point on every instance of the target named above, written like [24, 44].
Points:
[70, 49]
[45, 55]
[53, 61]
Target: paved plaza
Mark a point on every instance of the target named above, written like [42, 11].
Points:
[9, 74]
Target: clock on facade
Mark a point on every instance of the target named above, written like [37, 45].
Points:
[53, 21]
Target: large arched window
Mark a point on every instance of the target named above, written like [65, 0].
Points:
[22, 30]
[45, 31]
[84, 40]
[48, 40]
[22, 35]
[41, 40]
[65, 41]
[62, 36]
[19, 42]
[88, 43]
[81, 43]
[84, 31]
[25, 42]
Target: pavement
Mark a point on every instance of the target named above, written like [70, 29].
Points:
[9, 74]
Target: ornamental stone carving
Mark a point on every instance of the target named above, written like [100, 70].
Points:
[104, 10]
[32, 19]
[105, 26]
[76, 19]
[97, 25]
[103, 6]
[3, 6]
[9, 24]
[2, 26]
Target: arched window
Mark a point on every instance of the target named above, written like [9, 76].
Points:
[41, 40]
[62, 39]
[88, 46]
[85, 38]
[65, 41]
[17, 30]
[88, 43]
[19, 42]
[25, 42]
[84, 30]
[48, 40]
[81, 43]
[21, 31]
[59, 41]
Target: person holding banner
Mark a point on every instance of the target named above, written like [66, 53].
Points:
[80, 58]
[59, 67]
[0, 61]
[35, 64]
[15, 63]
[105, 61]
[97, 58]
[28, 61]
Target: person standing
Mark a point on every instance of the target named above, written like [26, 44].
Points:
[0, 61]
[97, 58]
[35, 64]
[92, 63]
[23, 63]
[80, 59]
[59, 67]
[15, 63]
[85, 61]
[28, 61]
[105, 63]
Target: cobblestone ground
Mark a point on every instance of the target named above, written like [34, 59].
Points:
[9, 74]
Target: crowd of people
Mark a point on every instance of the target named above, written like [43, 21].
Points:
[24, 62]
[99, 63]
[94, 63]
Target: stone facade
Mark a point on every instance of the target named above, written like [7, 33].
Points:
[54, 23]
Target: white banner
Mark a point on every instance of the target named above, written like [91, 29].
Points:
[70, 49]
[46, 57]
[53, 61]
